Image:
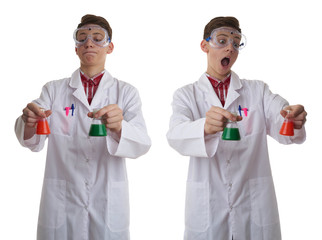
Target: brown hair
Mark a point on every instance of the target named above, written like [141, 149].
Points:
[92, 19]
[221, 22]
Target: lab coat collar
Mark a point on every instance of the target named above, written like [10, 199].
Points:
[210, 95]
[75, 82]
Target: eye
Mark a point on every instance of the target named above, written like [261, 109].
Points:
[81, 39]
[237, 44]
[222, 41]
[98, 38]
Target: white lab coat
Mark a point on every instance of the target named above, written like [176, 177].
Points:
[230, 189]
[85, 189]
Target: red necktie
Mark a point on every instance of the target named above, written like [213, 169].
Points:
[221, 88]
[90, 85]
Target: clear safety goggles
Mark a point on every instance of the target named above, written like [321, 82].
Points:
[96, 34]
[222, 37]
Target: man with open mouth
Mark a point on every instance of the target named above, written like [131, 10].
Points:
[230, 192]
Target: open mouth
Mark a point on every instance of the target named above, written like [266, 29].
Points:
[225, 61]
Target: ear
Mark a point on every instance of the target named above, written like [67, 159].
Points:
[204, 46]
[76, 50]
[110, 48]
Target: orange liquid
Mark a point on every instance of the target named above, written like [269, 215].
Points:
[43, 127]
[287, 128]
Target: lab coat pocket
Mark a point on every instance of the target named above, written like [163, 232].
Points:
[263, 202]
[253, 123]
[52, 206]
[60, 123]
[197, 206]
[118, 209]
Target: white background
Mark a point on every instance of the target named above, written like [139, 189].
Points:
[157, 50]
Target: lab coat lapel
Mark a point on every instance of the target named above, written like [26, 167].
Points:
[79, 92]
[101, 92]
[210, 95]
[235, 84]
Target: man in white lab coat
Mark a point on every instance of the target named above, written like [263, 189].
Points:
[85, 189]
[230, 192]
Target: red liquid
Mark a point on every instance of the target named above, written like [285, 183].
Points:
[43, 127]
[287, 128]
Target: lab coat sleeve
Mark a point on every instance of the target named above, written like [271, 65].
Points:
[37, 142]
[186, 134]
[134, 140]
[273, 104]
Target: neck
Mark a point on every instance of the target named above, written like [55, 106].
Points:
[91, 71]
[218, 77]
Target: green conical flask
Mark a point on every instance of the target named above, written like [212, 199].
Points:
[231, 132]
[97, 129]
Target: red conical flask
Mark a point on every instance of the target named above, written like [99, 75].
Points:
[287, 128]
[42, 126]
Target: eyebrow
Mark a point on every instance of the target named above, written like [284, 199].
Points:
[225, 35]
[222, 34]
[93, 34]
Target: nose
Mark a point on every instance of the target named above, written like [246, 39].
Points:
[88, 43]
[230, 47]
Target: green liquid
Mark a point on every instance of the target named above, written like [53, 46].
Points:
[97, 130]
[231, 134]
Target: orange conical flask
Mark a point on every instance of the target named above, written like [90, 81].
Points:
[43, 127]
[287, 128]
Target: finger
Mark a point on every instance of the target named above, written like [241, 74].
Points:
[113, 125]
[215, 122]
[36, 110]
[90, 114]
[26, 112]
[117, 118]
[215, 116]
[105, 110]
[48, 113]
[115, 112]
[31, 125]
[239, 118]
[99, 113]
[300, 118]
[283, 113]
[116, 127]
[226, 114]
[298, 124]
[30, 121]
[212, 129]
[294, 111]
[29, 116]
